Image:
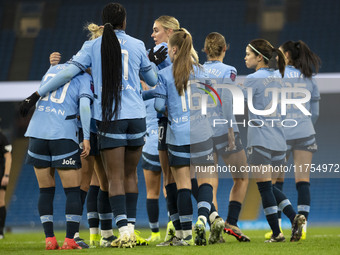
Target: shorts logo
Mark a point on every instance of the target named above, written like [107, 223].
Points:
[312, 147]
[250, 150]
[210, 157]
[68, 162]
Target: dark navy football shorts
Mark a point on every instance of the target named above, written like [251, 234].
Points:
[93, 142]
[195, 154]
[60, 154]
[162, 127]
[302, 144]
[151, 162]
[122, 133]
[221, 144]
[258, 155]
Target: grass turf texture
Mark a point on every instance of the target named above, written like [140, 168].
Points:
[319, 241]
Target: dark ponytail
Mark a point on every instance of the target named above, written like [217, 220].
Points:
[281, 61]
[301, 57]
[264, 48]
[113, 17]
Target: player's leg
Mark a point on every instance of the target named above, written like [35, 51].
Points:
[237, 192]
[114, 169]
[46, 181]
[112, 151]
[202, 162]
[185, 210]
[204, 201]
[169, 185]
[297, 220]
[70, 179]
[86, 175]
[132, 156]
[103, 205]
[278, 180]
[259, 160]
[153, 185]
[66, 159]
[39, 156]
[135, 140]
[92, 210]
[2, 207]
[302, 180]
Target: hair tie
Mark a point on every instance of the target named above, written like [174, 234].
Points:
[107, 24]
[297, 45]
[253, 48]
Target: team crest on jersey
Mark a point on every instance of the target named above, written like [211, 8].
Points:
[232, 75]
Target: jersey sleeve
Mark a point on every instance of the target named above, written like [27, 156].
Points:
[83, 58]
[315, 93]
[161, 88]
[145, 64]
[86, 86]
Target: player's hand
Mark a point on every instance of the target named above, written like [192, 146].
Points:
[28, 103]
[231, 139]
[4, 181]
[86, 149]
[144, 85]
[159, 56]
[55, 58]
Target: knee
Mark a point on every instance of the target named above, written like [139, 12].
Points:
[241, 182]
[153, 192]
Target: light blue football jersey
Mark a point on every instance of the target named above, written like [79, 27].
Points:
[134, 60]
[294, 79]
[151, 138]
[55, 116]
[186, 124]
[223, 74]
[266, 131]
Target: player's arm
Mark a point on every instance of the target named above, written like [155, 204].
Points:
[8, 164]
[160, 103]
[149, 76]
[149, 94]
[57, 81]
[146, 70]
[227, 106]
[314, 106]
[85, 118]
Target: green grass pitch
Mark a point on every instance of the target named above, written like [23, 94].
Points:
[319, 241]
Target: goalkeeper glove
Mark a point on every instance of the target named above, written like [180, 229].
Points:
[159, 56]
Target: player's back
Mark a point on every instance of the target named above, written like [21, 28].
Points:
[55, 116]
[264, 129]
[293, 78]
[134, 60]
[221, 74]
[186, 123]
